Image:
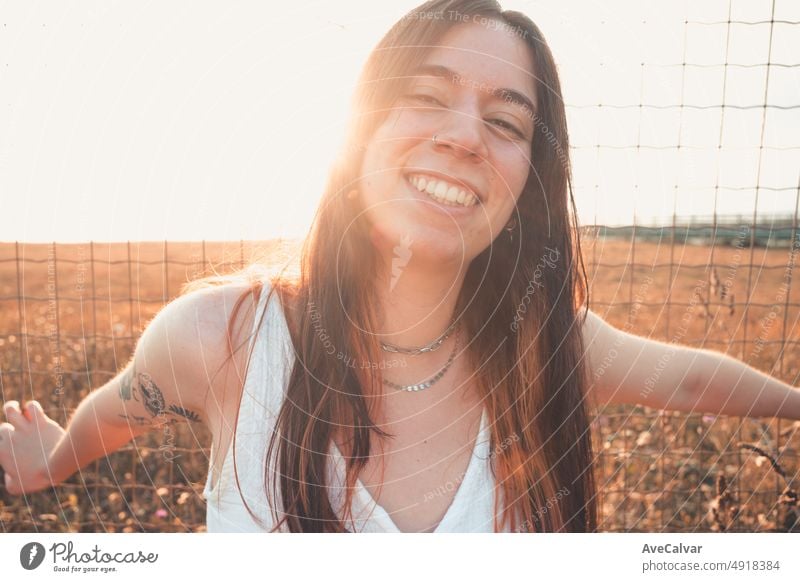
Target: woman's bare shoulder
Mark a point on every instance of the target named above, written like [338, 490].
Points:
[209, 329]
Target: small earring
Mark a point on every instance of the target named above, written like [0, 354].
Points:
[512, 224]
[434, 139]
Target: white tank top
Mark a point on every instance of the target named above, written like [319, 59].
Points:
[270, 366]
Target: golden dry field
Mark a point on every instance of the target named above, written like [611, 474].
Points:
[70, 315]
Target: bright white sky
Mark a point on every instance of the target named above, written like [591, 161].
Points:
[196, 120]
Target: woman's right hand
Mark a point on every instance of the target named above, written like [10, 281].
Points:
[26, 441]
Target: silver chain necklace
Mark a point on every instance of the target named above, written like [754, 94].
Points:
[431, 381]
[429, 347]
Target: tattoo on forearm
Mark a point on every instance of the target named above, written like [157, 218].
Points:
[140, 387]
[188, 414]
[153, 398]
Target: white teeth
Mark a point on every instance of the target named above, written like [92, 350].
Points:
[443, 192]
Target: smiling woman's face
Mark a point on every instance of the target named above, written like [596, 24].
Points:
[450, 198]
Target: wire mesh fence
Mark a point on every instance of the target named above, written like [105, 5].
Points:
[70, 318]
[70, 314]
[722, 281]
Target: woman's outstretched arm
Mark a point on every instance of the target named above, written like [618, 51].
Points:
[626, 368]
[724, 385]
[167, 381]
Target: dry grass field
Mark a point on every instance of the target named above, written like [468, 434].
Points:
[70, 316]
[660, 471]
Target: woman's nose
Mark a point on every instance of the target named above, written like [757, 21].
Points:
[463, 136]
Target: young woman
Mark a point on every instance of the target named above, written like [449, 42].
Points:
[431, 365]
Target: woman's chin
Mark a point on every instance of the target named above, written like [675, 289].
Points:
[412, 243]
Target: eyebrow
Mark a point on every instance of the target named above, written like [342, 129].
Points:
[508, 95]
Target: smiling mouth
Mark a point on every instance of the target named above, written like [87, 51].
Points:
[443, 191]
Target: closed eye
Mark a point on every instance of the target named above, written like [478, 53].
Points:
[503, 124]
[425, 99]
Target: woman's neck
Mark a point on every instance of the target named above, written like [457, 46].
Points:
[417, 304]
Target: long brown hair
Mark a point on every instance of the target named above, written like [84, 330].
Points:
[525, 346]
